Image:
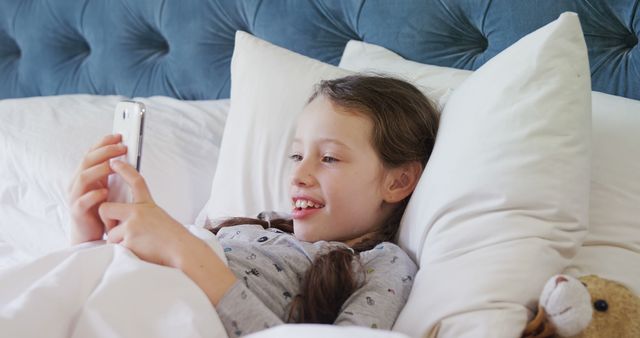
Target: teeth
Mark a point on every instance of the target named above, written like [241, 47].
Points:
[303, 204]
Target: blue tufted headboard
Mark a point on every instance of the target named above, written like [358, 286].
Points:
[182, 48]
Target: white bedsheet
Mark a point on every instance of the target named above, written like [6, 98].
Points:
[10, 256]
[103, 290]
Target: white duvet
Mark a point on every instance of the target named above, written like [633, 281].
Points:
[103, 290]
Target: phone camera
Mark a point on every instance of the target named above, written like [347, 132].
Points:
[124, 114]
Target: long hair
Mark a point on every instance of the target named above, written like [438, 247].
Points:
[405, 124]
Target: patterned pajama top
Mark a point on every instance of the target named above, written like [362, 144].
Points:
[270, 265]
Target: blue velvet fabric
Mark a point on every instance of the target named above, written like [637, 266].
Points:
[183, 48]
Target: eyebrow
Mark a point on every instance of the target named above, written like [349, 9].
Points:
[326, 140]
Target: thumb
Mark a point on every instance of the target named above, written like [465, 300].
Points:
[112, 214]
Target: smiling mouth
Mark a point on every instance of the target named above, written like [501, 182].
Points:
[302, 204]
[303, 208]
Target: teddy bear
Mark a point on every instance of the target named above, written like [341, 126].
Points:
[587, 307]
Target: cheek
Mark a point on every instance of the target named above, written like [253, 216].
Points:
[352, 196]
[358, 185]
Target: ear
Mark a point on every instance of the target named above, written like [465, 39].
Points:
[400, 182]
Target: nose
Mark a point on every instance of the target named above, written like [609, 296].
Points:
[302, 174]
[561, 279]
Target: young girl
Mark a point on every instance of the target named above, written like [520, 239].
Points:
[360, 147]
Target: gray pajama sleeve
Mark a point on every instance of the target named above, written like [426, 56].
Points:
[389, 274]
[242, 313]
[388, 277]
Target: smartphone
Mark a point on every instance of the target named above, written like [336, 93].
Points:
[128, 120]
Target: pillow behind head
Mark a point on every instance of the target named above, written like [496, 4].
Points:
[270, 86]
[502, 205]
[613, 242]
[360, 56]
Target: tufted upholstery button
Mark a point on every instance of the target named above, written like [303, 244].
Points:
[631, 40]
[83, 47]
[17, 53]
[483, 43]
[163, 46]
[157, 43]
[11, 48]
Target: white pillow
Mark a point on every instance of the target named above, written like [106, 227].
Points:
[360, 56]
[269, 87]
[43, 139]
[612, 247]
[613, 240]
[502, 205]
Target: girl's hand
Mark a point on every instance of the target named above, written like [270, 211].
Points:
[89, 189]
[150, 233]
[142, 226]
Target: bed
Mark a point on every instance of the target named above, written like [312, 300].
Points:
[65, 64]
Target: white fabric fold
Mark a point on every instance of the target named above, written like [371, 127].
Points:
[103, 290]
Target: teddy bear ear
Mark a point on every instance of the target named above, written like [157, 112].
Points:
[539, 327]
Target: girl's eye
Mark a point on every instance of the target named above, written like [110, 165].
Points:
[329, 159]
[295, 157]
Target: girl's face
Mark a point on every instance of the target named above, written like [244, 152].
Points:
[337, 177]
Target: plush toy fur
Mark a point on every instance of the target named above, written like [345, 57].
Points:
[614, 311]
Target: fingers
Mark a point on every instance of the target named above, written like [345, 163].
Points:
[112, 213]
[103, 154]
[139, 188]
[110, 139]
[115, 235]
[89, 200]
[91, 178]
[106, 149]
[107, 139]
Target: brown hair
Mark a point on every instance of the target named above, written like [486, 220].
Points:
[405, 123]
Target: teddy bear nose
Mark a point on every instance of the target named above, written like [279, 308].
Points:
[561, 279]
